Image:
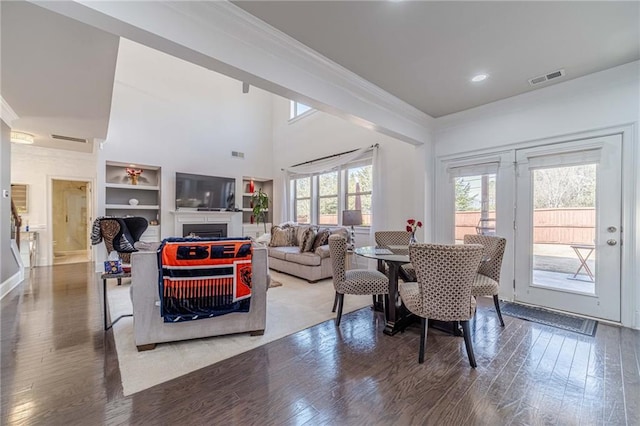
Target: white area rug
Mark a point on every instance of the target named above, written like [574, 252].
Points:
[294, 306]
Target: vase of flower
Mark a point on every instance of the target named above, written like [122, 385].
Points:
[133, 175]
[412, 227]
[412, 238]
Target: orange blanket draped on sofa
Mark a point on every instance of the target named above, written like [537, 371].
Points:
[203, 278]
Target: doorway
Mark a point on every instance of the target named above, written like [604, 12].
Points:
[568, 219]
[70, 221]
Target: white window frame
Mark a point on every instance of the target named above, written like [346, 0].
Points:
[315, 192]
[295, 198]
[355, 165]
[294, 110]
[319, 197]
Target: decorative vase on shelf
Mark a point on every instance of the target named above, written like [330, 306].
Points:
[412, 239]
[133, 179]
[252, 187]
[251, 219]
[133, 202]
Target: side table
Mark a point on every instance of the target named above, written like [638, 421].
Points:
[583, 258]
[104, 277]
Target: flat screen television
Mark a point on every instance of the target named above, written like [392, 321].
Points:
[205, 192]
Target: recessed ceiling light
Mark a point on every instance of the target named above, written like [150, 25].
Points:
[479, 77]
[21, 137]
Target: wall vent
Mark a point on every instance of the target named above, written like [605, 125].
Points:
[68, 138]
[542, 78]
[237, 154]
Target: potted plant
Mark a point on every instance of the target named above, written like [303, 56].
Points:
[260, 201]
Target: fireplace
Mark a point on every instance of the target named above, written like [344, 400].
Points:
[205, 230]
[206, 224]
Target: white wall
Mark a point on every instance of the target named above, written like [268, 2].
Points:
[184, 118]
[604, 99]
[35, 167]
[318, 134]
[588, 105]
[8, 264]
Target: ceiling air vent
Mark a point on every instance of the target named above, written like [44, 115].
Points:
[237, 154]
[68, 138]
[541, 79]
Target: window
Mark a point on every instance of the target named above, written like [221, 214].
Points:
[302, 200]
[320, 199]
[297, 109]
[328, 198]
[475, 205]
[358, 195]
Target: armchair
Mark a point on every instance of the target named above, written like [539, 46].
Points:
[119, 234]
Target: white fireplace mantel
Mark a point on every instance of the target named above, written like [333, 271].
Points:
[233, 220]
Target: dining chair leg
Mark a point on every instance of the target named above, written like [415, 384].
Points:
[497, 303]
[423, 338]
[340, 303]
[335, 302]
[467, 343]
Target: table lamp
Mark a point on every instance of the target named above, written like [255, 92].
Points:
[352, 218]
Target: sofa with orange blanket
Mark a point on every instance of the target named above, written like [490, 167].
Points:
[150, 327]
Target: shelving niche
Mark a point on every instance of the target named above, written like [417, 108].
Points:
[119, 190]
[252, 229]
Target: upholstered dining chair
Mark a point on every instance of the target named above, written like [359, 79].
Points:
[395, 238]
[353, 281]
[443, 291]
[487, 279]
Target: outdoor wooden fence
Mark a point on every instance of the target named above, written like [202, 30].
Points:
[550, 226]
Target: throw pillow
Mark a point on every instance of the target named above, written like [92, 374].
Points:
[280, 237]
[322, 238]
[308, 238]
[343, 232]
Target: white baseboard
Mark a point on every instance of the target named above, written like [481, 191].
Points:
[11, 282]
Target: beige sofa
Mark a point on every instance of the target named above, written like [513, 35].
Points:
[311, 266]
[149, 327]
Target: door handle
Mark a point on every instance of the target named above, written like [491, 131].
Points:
[612, 242]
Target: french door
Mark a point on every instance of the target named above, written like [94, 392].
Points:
[568, 217]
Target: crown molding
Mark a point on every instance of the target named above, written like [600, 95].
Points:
[7, 114]
[292, 51]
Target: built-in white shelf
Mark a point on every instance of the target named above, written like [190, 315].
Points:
[130, 207]
[118, 190]
[126, 186]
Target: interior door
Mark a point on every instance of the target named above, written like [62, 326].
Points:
[568, 217]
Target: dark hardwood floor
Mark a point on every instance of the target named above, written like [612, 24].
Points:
[60, 368]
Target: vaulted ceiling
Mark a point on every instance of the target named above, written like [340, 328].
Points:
[57, 73]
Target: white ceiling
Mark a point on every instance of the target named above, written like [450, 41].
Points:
[57, 75]
[425, 53]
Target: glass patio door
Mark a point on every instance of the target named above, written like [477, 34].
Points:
[568, 217]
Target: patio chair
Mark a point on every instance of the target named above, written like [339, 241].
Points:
[488, 276]
[353, 281]
[443, 291]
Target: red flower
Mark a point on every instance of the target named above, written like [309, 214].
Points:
[133, 172]
[413, 225]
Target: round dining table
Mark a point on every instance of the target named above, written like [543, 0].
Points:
[396, 315]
